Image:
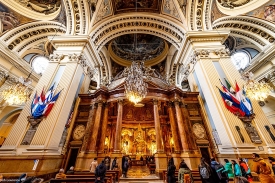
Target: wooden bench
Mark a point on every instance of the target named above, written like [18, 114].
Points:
[115, 173]
[78, 180]
[92, 175]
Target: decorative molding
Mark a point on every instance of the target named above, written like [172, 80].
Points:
[69, 16]
[222, 52]
[198, 14]
[56, 57]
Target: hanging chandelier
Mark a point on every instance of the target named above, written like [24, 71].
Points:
[254, 89]
[19, 93]
[257, 90]
[135, 86]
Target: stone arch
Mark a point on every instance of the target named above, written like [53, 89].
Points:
[137, 23]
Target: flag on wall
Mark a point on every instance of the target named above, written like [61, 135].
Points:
[235, 100]
[245, 103]
[229, 105]
[43, 104]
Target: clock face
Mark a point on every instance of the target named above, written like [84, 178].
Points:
[79, 132]
[198, 130]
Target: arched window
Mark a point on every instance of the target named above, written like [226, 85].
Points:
[39, 64]
[240, 60]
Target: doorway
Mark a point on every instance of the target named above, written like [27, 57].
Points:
[205, 154]
[71, 159]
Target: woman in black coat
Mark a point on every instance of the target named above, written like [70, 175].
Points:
[171, 171]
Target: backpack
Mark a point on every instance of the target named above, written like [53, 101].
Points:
[204, 172]
[221, 172]
[186, 178]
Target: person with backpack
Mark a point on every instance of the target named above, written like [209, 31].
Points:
[262, 169]
[114, 163]
[205, 172]
[238, 173]
[219, 172]
[100, 172]
[228, 168]
[185, 174]
[245, 169]
[171, 172]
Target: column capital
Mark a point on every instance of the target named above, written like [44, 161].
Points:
[120, 101]
[170, 104]
[155, 101]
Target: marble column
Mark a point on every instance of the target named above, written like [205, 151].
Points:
[117, 144]
[174, 128]
[89, 128]
[103, 129]
[183, 139]
[187, 126]
[157, 126]
[92, 147]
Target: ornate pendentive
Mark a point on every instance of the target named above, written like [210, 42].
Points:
[233, 3]
[252, 132]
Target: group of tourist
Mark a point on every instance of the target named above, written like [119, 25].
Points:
[218, 173]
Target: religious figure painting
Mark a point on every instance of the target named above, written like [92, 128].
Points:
[137, 5]
[41, 6]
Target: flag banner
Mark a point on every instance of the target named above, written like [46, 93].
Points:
[245, 103]
[230, 88]
[43, 104]
[229, 105]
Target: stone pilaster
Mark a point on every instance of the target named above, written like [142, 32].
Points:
[117, 144]
[157, 127]
[182, 133]
[95, 129]
[174, 128]
[103, 129]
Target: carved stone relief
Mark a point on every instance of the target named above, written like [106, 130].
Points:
[253, 133]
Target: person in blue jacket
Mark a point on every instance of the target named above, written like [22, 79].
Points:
[237, 170]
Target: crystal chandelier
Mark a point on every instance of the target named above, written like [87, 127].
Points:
[254, 89]
[257, 90]
[135, 86]
[17, 94]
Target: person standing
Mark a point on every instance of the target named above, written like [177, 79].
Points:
[107, 162]
[272, 162]
[185, 174]
[205, 172]
[246, 172]
[114, 163]
[219, 172]
[228, 168]
[70, 171]
[100, 172]
[93, 166]
[262, 169]
[171, 171]
[125, 167]
[61, 174]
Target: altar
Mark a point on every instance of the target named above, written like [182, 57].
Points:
[138, 163]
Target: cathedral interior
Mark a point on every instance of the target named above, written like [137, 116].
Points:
[89, 57]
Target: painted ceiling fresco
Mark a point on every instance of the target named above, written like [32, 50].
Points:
[10, 19]
[265, 12]
[216, 14]
[121, 6]
[233, 3]
[41, 6]
[138, 46]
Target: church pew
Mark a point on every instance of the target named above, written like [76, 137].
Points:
[78, 180]
[115, 173]
[92, 175]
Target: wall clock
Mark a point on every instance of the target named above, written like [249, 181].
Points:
[79, 132]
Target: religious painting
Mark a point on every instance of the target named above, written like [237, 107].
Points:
[138, 113]
[41, 6]
[160, 68]
[10, 19]
[265, 12]
[215, 13]
[121, 6]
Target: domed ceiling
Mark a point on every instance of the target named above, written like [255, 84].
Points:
[126, 48]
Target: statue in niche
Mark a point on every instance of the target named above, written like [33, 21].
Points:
[129, 114]
[253, 134]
